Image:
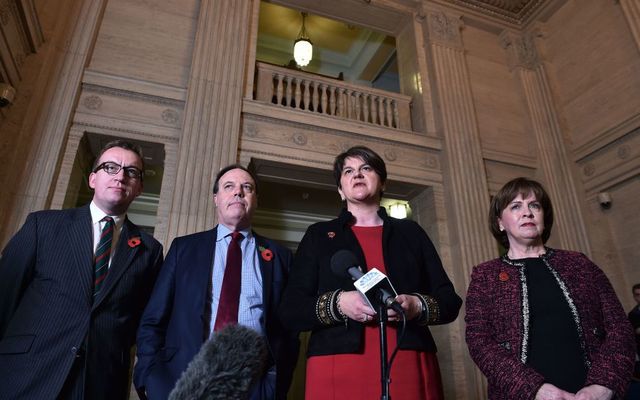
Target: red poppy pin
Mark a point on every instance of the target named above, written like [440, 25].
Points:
[331, 235]
[503, 276]
[266, 254]
[134, 242]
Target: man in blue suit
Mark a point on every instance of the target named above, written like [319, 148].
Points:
[67, 327]
[188, 302]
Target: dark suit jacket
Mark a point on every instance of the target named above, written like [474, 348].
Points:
[176, 321]
[49, 321]
[497, 325]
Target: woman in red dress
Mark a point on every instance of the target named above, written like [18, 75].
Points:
[344, 353]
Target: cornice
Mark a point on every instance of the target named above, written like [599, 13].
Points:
[286, 116]
[509, 13]
[147, 98]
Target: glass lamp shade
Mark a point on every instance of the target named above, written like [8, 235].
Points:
[302, 52]
[398, 210]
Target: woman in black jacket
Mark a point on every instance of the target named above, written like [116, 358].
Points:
[343, 353]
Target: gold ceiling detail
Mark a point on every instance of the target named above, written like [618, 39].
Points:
[515, 11]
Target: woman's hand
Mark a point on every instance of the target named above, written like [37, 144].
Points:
[550, 392]
[594, 392]
[411, 304]
[353, 306]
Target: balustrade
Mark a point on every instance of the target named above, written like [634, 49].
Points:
[331, 97]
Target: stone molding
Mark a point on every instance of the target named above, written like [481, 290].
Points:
[277, 140]
[128, 94]
[607, 137]
[612, 164]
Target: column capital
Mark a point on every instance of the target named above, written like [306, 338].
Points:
[521, 50]
[444, 28]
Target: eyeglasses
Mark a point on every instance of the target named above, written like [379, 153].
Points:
[112, 168]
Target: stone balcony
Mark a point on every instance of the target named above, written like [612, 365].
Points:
[299, 118]
[331, 98]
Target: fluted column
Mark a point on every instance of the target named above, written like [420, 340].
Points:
[465, 181]
[554, 161]
[465, 173]
[50, 130]
[211, 128]
[631, 11]
[66, 170]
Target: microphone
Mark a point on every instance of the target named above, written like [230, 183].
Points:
[374, 285]
[226, 367]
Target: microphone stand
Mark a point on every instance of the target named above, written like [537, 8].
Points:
[384, 362]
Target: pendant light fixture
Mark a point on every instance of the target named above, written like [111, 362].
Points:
[302, 47]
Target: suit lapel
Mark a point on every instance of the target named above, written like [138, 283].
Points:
[80, 240]
[129, 244]
[202, 262]
[266, 267]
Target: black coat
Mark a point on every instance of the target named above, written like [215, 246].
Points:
[412, 264]
[51, 328]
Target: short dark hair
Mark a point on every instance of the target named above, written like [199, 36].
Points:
[123, 144]
[635, 287]
[510, 191]
[365, 154]
[235, 166]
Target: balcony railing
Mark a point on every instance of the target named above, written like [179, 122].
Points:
[331, 97]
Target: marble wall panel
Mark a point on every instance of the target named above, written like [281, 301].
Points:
[149, 40]
[500, 110]
[594, 61]
[498, 173]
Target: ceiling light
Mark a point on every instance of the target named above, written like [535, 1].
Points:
[302, 47]
[398, 210]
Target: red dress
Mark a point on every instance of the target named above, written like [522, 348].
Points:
[414, 374]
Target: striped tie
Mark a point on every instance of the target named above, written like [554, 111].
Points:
[103, 251]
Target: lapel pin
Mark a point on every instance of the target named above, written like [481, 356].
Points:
[134, 242]
[266, 254]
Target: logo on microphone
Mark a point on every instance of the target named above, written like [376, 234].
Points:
[368, 283]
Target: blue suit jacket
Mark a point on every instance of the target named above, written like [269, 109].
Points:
[176, 321]
[51, 328]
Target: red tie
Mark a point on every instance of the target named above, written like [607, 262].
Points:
[230, 293]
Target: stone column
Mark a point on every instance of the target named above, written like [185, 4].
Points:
[429, 209]
[631, 11]
[465, 176]
[211, 128]
[51, 127]
[554, 160]
[66, 169]
[465, 181]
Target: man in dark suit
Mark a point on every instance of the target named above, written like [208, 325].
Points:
[189, 301]
[66, 327]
